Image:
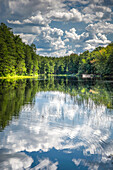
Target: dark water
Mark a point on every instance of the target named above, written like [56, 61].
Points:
[57, 123]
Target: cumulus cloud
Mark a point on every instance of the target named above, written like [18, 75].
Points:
[47, 34]
[14, 22]
[55, 42]
[70, 26]
[27, 38]
[50, 40]
[72, 35]
[97, 40]
[74, 41]
[89, 47]
[100, 27]
[58, 53]
[37, 19]
[57, 10]
[29, 7]
[72, 15]
[95, 12]
[35, 30]
[92, 7]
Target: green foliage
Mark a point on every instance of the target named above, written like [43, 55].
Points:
[98, 62]
[17, 58]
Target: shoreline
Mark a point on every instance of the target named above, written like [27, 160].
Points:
[35, 76]
[19, 77]
[53, 75]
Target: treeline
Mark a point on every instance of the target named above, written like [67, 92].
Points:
[98, 62]
[17, 58]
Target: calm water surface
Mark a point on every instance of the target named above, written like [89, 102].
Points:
[57, 123]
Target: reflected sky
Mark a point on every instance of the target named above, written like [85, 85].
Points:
[58, 131]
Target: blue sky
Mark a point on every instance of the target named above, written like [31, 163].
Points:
[60, 27]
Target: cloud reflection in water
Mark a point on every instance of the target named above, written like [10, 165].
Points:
[60, 121]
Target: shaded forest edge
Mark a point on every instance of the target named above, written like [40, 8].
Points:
[20, 59]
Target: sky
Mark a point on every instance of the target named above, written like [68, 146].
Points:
[60, 27]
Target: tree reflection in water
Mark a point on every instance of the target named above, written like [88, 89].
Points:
[70, 118]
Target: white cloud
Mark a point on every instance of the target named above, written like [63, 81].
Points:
[35, 30]
[95, 12]
[72, 35]
[30, 17]
[27, 38]
[15, 6]
[43, 12]
[50, 52]
[58, 44]
[96, 8]
[97, 40]
[54, 42]
[71, 2]
[94, 36]
[72, 15]
[99, 14]
[50, 40]
[37, 19]
[89, 18]
[74, 40]
[52, 31]
[29, 7]
[14, 22]
[89, 47]
[100, 27]
[102, 37]
[77, 46]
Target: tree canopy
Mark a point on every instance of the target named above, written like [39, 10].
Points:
[18, 58]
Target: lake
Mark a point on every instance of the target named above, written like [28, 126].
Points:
[56, 123]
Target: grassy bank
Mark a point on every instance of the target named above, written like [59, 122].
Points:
[18, 77]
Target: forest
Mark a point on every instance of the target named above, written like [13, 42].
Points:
[18, 58]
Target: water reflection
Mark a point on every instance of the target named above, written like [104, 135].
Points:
[14, 160]
[60, 124]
